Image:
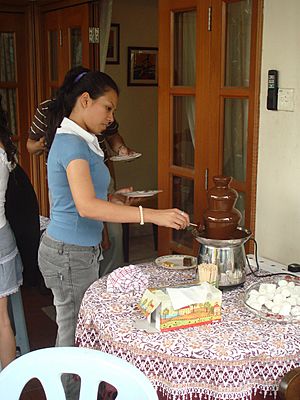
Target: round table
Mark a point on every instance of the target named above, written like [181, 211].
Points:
[234, 359]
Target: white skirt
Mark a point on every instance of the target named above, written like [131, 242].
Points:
[10, 263]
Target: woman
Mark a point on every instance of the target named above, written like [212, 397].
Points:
[78, 179]
[10, 260]
[112, 243]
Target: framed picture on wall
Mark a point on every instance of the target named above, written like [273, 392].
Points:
[142, 66]
[113, 50]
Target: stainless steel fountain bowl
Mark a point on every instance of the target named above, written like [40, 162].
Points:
[228, 254]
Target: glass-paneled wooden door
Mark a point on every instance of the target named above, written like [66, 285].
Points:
[208, 96]
[14, 78]
[66, 45]
[66, 41]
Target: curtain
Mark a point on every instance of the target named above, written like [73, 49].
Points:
[189, 65]
[105, 21]
[237, 75]
[7, 74]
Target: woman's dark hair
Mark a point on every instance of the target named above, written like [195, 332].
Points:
[5, 136]
[77, 81]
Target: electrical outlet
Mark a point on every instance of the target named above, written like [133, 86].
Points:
[285, 100]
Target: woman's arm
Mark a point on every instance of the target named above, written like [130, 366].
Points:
[36, 142]
[4, 174]
[89, 206]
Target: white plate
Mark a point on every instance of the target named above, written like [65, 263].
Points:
[142, 193]
[126, 158]
[176, 262]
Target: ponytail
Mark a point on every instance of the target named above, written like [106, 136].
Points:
[58, 108]
[5, 136]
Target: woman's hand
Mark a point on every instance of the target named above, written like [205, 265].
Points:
[118, 197]
[123, 150]
[170, 218]
[36, 147]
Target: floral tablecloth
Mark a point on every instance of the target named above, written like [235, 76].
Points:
[231, 360]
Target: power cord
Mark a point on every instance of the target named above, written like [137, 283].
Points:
[258, 267]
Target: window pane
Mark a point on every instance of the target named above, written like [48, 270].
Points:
[76, 47]
[184, 48]
[238, 28]
[53, 49]
[183, 131]
[235, 138]
[10, 106]
[7, 57]
[183, 198]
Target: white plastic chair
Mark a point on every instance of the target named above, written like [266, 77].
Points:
[92, 366]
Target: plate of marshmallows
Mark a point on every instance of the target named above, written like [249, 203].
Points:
[276, 298]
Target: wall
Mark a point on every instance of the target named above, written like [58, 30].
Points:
[278, 194]
[137, 108]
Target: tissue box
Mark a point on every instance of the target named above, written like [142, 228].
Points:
[157, 306]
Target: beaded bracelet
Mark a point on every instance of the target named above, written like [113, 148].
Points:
[141, 215]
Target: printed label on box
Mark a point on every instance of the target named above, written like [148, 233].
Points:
[157, 307]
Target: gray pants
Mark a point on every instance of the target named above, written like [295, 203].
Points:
[68, 270]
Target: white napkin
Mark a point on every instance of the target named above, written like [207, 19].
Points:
[183, 297]
[127, 279]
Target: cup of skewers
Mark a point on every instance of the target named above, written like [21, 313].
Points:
[208, 273]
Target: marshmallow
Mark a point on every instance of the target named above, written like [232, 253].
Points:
[285, 309]
[278, 298]
[282, 282]
[292, 300]
[253, 292]
[285, 292]
[269, 304]
[295, 311]
[275, 309]
[254, 304]
[261, 299]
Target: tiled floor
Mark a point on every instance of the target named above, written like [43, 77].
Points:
[42, 330]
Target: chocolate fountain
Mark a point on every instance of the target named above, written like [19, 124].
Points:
[221, 239]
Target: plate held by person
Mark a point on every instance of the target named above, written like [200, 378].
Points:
[142, 193]
[128, 157]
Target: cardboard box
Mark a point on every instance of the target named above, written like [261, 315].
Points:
[157, 307]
